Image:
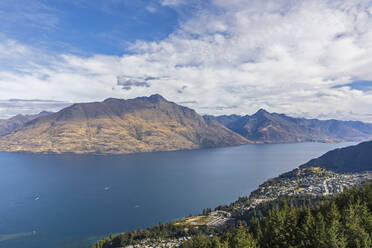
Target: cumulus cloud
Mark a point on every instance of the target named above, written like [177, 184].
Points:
[230, 57]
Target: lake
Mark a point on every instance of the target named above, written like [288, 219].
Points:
[69, 201]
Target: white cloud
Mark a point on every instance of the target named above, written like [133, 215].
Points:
[172, 2]
[151, 8]
[232, 57]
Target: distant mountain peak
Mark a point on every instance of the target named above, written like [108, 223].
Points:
[111, 99]
[261, 111]
[223, 119]
[279, 128]
[45, 112]
[15, 122]
[156, 98]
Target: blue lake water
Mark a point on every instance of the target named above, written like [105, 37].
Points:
[69, 201]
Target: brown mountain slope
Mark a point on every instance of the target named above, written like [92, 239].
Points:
[117, 126]
[11, 124]
[268, 127]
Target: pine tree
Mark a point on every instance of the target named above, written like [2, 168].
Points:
[306, 232]
[355, 234]
[335, 237]
[290, 227]
[320, 240]
[242, 239]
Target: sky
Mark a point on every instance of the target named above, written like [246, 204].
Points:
[305, 58]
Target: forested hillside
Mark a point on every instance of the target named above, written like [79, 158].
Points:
[349, 159]
[343, 221]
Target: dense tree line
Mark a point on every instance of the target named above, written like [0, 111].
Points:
[342, 221]
[263, 209]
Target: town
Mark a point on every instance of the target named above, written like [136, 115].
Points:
[312, 181]
[159, 243]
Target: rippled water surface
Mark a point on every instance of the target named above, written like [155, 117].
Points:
[65, 201]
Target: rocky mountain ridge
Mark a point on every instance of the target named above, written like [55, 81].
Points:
[265, 127]
[118, 126]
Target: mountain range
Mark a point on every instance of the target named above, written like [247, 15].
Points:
[117, 126]
[146, 124]
[265, 127]
[356, 158]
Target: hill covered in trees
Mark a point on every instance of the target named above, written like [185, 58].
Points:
[356, 158]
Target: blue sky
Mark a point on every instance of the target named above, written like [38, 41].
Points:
[362, 85]
[87, 26]
[307, 58]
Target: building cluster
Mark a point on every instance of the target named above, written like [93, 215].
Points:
[163, 243]
[220, 218]
[311, 181]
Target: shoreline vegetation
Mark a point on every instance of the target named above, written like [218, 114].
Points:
[299, 200]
